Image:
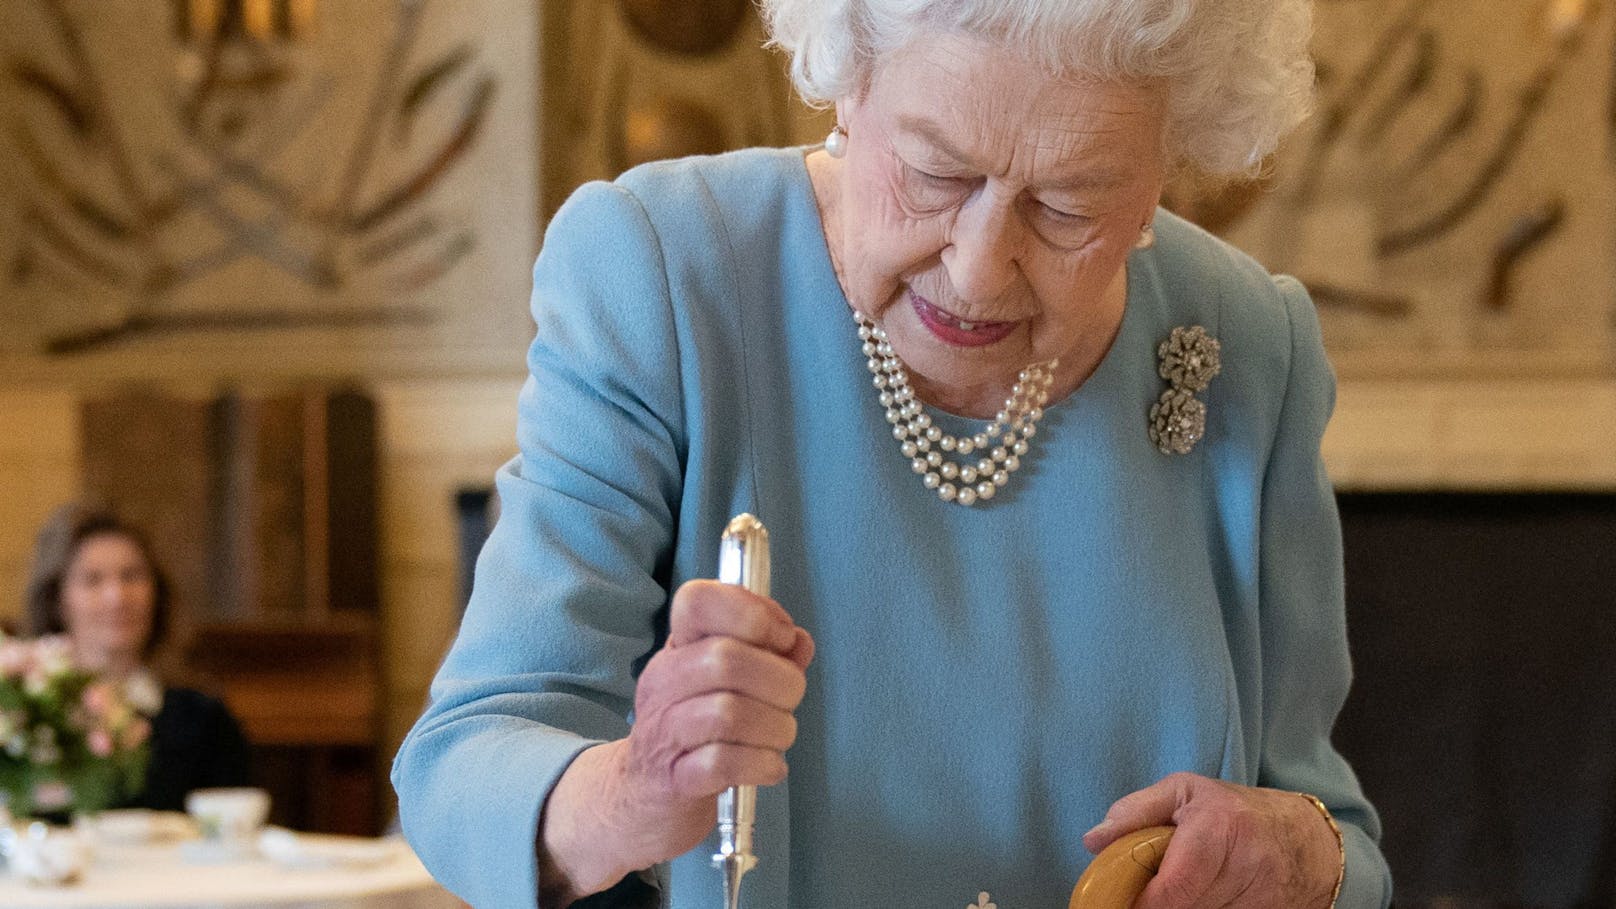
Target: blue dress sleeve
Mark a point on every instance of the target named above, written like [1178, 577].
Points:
[569, 587]
[1306, 667]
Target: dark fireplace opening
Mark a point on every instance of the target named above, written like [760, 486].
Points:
[1482, 720]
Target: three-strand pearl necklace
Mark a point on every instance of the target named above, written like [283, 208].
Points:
[1001, 445]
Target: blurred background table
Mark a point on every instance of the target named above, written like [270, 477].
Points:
[125, 876]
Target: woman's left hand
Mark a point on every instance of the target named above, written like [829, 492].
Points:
[1234, 846]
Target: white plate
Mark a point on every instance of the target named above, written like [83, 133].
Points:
[135, 826]
[217, 852]
[293, 849]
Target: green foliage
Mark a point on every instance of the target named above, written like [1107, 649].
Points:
[69, 741]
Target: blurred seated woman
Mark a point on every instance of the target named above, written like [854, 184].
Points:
[96, 580]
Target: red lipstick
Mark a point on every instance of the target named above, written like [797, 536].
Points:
[951, 329]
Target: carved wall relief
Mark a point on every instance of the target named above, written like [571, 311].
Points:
[1451, 203]
[311, 175]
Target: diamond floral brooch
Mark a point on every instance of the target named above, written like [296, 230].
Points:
[1189, 360]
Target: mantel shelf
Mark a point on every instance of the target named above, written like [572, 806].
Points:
[1473, 435]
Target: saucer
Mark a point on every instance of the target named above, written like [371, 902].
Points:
[217, 852]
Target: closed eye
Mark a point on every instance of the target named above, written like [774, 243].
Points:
[933, 192]
[1061, 214]
[1060, 227]
[936, 178]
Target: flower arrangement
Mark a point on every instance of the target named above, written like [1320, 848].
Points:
[69, 741]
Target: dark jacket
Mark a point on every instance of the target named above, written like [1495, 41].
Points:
[196, 744]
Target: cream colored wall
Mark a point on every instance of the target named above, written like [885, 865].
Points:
[1482, 434]
[435, 437]
[39, 467]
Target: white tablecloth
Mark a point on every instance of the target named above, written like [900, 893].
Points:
[124, 876]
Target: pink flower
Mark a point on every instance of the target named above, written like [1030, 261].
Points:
[52, 795]
[135, 734]
[15, 657]
[100, 742]
[99, 698]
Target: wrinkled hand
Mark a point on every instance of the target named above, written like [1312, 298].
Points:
[712, 709]
[1235, 845]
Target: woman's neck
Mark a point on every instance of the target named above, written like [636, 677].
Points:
[111, 665]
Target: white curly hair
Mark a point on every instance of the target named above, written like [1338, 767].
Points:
[1237, 72]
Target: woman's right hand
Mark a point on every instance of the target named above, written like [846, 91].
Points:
[712, 709]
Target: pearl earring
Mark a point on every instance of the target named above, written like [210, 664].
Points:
[1147, 237]
[836, 142]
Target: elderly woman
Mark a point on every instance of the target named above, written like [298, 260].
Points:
[95, 579]
[1069, 561]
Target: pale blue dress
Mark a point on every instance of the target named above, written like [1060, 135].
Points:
[988, 679]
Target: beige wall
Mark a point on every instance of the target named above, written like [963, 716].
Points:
[39, 467]
[1483, 434]
[436, 437]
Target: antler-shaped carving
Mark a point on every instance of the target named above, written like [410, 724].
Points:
[223, 174]
[1347, 112]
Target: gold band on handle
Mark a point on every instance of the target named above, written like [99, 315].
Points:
[1118, 875]
[1340, 843]
[1121, 871]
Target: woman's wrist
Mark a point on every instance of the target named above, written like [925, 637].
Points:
[572, 862]
[1340, 844]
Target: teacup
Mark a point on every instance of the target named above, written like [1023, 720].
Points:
[231, 816]
[45, 855]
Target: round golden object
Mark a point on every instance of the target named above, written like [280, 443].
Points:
[669, 128]
[686, 26]
[1120, 872]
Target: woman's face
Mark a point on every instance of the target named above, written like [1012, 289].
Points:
[986, 212]
[107, 599]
